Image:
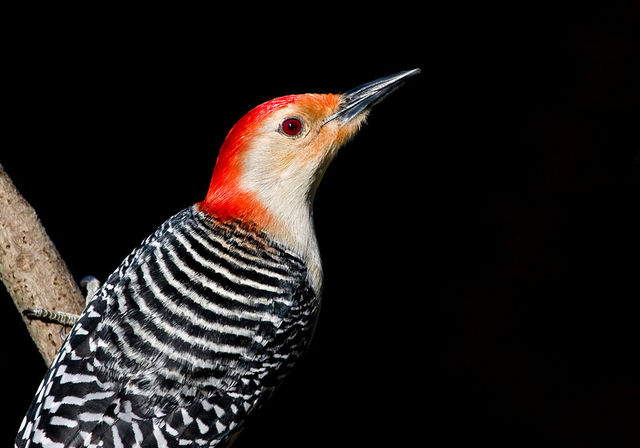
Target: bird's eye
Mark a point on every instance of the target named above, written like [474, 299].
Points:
[291, 126]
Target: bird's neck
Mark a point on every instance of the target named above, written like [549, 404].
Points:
[288, 221]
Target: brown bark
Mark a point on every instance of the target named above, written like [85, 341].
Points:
[32, 270]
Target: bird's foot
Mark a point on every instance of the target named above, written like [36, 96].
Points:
[91, 285]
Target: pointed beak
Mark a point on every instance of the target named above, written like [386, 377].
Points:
[362, 98]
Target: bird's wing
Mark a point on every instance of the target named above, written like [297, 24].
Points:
[75, 397]
[124, 376]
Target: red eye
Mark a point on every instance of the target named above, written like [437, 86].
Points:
[291, 126]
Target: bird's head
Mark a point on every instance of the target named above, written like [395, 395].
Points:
[273, 159]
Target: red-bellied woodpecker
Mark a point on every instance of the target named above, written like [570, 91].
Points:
[203, 320]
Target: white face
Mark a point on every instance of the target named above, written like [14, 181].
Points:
[283, 164]
[287, 164]
[288, 155]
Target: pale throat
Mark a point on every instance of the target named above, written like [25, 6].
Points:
[287, 193]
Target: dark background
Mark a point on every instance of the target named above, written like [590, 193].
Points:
[480, 236]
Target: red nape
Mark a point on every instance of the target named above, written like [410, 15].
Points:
[225, 198]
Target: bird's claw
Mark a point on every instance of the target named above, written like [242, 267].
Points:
[90, 283]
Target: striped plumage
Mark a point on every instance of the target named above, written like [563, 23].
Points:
[182, 341]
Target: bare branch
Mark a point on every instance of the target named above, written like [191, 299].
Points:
[31, 268]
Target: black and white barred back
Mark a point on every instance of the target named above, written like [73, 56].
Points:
[182, 341]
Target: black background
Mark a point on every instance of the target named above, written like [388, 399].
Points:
[480, 236]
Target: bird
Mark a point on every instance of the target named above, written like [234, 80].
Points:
[200, 323]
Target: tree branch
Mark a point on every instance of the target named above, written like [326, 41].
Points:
[32, 270]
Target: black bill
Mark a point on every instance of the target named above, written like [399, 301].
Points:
[356, 101]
